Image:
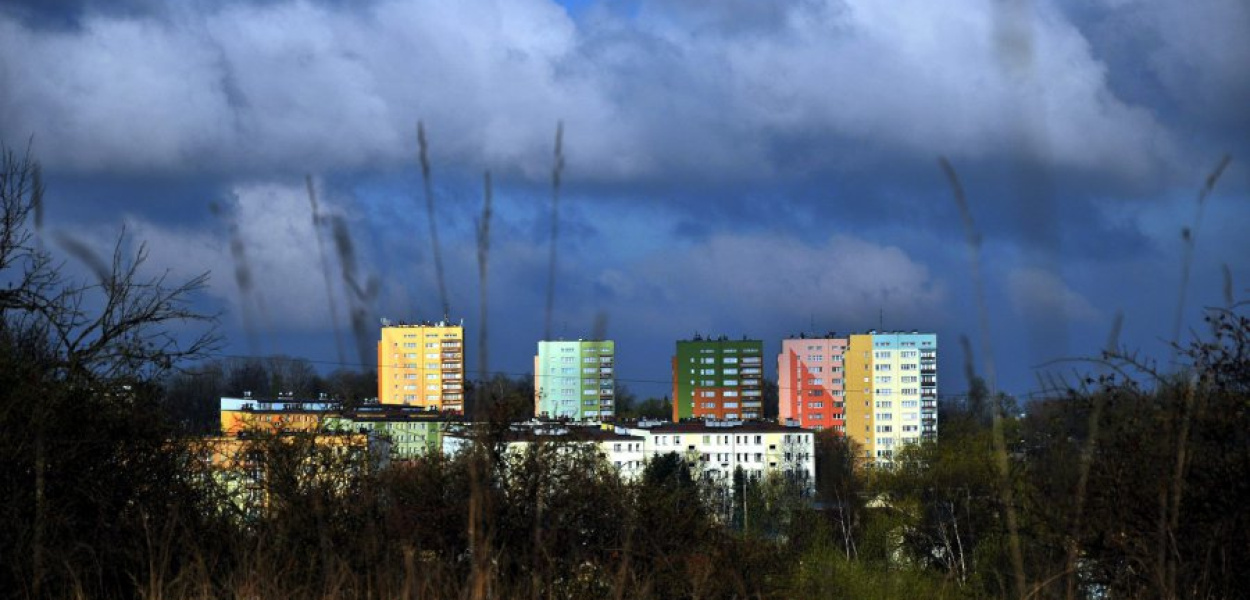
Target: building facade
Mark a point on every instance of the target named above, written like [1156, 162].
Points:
[422, 365]
[891, 391]
[404, 433]
[279, 415]
[575, 380]
[716, 449]
[623, 451]
[718, 379]
[811, 382]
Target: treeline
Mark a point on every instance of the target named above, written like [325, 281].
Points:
[191, 396]
[1120, 490]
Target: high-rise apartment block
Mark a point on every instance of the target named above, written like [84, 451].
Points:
[718, 379]
[422, 364]
[811, 382]
[575, 380]
[891, 391]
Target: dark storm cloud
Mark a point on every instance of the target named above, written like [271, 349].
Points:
[276, 84]
[700, 137]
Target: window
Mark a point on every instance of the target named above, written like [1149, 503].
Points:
[881, 367]
[730, 393]
[884, 404]
[816, 381]
[885, 417]
[815, 392]
[881, 354]
[730, 360]
[883, 379]
[815, 357]
[707, 394]
[884, 391]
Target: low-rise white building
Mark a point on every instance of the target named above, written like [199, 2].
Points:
[622, 450]
[717, 448]
[714, 449]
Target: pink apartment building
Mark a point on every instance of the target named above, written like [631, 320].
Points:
[811, 382]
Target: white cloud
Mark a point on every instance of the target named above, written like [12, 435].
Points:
[297, 86]
[1041, 294]
[287, 290]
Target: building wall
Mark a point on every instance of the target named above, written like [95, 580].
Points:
[892, 398]
[407, 438]
[422, 365]
[716, 452]
[718, 379]
[811, 383]
[575, 380]
[240, 415]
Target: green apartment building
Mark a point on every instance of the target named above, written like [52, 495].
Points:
[575, 380]
[409, 432]
[718, 379]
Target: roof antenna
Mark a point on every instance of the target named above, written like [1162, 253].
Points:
[880, 318]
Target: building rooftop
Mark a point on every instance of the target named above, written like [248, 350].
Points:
[554, 432]
[701, 426]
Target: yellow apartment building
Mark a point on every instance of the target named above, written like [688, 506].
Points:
[422, 364]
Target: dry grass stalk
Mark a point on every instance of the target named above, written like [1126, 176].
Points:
[483, 259]
[325, 268]
[1087, 458]
[1189, 237]
[557, 171]
[1000, 445]
[428, 187]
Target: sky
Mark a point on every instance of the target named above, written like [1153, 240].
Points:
[736, 168]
